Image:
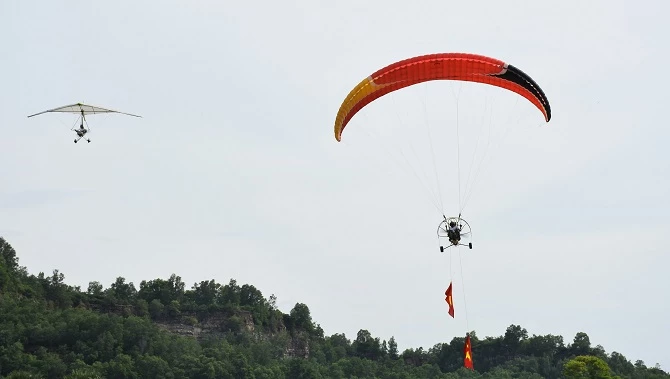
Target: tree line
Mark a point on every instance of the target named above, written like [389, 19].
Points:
[49, 329]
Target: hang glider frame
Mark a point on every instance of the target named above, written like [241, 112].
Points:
[82, 109]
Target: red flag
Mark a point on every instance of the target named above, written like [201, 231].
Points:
[450, 300]
[467, 350]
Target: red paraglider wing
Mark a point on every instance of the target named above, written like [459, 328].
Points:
[445, 66]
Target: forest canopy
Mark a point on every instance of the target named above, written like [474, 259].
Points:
[164, 329]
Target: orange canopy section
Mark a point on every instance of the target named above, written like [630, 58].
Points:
[445, 66]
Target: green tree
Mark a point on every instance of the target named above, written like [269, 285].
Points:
[121, 290]
[9, 267]
[302, 369]
[230, 294]
[8, 256]
[581, 345]
[587, 367]
[205, 292]
[95, 288]
[151, 366]
[156, 309]
[511, 342]
[84, 373]
[301, 318]
[393, 348]
[122, 367]
[366, 346]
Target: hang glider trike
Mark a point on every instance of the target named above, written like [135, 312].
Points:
[82, 110]
[455, 230]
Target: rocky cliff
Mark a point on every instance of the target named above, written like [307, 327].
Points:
[217, 324]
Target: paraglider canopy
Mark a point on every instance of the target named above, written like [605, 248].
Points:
[443, 66]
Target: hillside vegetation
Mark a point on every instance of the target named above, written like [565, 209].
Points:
[162, 329]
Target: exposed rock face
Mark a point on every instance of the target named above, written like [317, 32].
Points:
[181, 329]
[298, 346]
[216, 324]
[249, 322]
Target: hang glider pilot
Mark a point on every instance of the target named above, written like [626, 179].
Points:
[81, 131]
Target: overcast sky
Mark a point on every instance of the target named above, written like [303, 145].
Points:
[234, 172]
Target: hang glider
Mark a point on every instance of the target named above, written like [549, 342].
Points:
[82, 110]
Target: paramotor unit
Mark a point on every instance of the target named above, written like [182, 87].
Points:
[454, 230]
[453, 66]
[82, 110]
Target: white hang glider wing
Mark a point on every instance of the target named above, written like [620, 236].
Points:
[81, 109]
